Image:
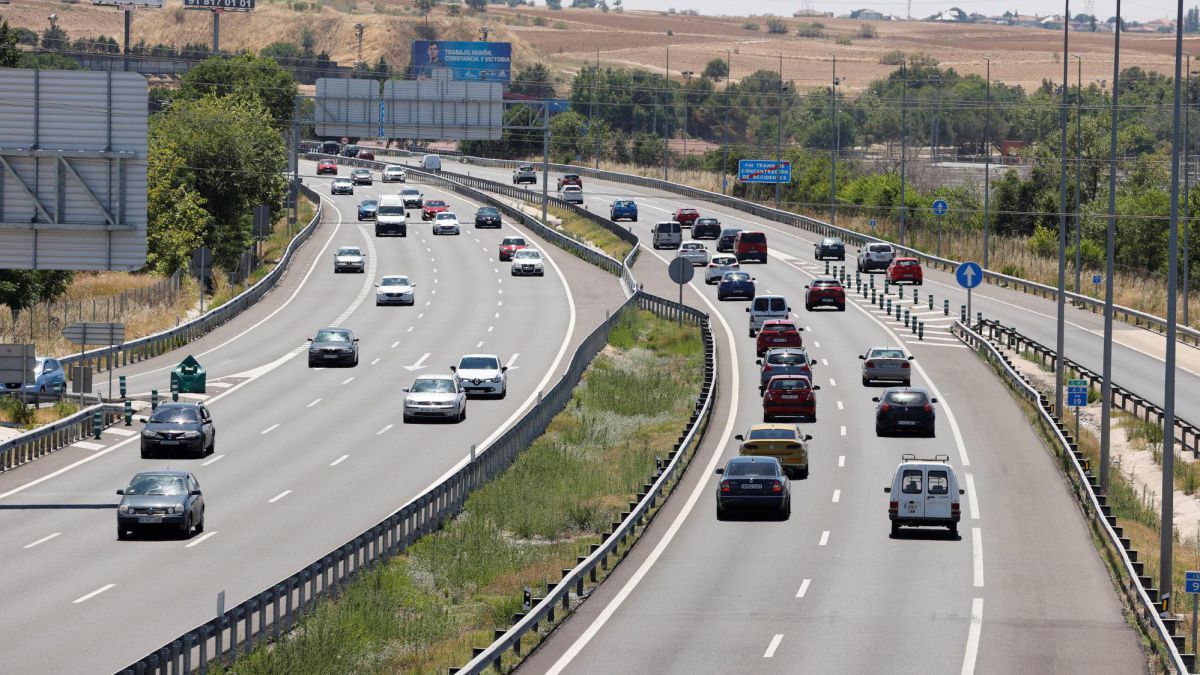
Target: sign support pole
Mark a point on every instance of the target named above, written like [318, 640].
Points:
[939, 239]
[216, 32]
[128, 24]
[1193, 622]
[968, 307]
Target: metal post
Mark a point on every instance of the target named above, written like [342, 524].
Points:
[946, 307]
[903, 145]
[834, 153]
[1193, 622]
[545, 158]
[125, 50]
[1060, 343]
[939, 237]
[294, 214]
[97, 424]
[779, 131]
[592, 110]
[931, 301]
[667, 116]
[1109, 254]
[1166, 545]
[725, 124]
[987, 165]
[1078, 171]
[128, 413]
[1187, 191]
[216, 32]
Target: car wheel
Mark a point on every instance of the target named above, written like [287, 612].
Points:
[932, 433]
[407, 419]
[504, 392]
[355, 362]
[895, 529]
[953, 529]
[462, 415]
[721, 513]
[145, 455]
[804, 473]
[808, 308]
[121, 533]
[866, 382]
[513, 272]
[200, 525]
[907, 383]
[767, 418]
[186, 529]
[752, 332]
[785, 511]
[841, 308]
[879, 431]
[720, 297]
[212, 446]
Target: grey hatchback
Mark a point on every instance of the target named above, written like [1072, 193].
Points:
[886, 363]
[783, 361]
[179, 426]
[158, 500]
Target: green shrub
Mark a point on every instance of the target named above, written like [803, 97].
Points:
[16, 410]
[750, 25]
[1012, 270]
[1044, 242]
[867, 32]
[841, 39]
[777, 26]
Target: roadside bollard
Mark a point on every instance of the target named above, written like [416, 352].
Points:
[962, 313]
[153, 399]
[897, 311]
[979, 318]
[906, 317]
[858, 277]
[921, 331]
[826, 268]
[174, 391]
[121, 379]
[889, 306]
[931, 301]
[872, 278]
[946, 307]
[128, 413]
[96, 424]
[872, 295]
[887, 286]
[913, 326]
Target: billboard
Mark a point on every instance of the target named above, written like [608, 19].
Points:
[221, 5]
[764, 171]
[477, 61]
[424, 109]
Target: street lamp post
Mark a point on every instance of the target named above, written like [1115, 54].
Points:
[987, 164]
[687, 80]
[1060, 360]
[903, 145]
[837, 143]
[1078, 170]
[1109, 255]
[935, 120]
[667, 127]
[592, 110]
[725, 124]
[1187, 191]
[779, 131]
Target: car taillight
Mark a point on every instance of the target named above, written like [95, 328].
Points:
[893, 507]
[928, 407]
[884, 407]
[766, 367]
[776, 486]
[905, 365]
[953, 507]
[870, 364]
[724, 486]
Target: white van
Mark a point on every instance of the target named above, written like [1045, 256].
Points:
[390, 217]
[431, 163]
[924, 492]
[764, 308]
[667, 234]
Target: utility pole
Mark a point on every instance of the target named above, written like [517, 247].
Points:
[725, 124]
[545, 157]
[128, 24]
[687, 80]
[358, 33]
[1187, 190]
[935, 121]
[903, 145]
[1078, 172]
[667, 128]
[836, 144]
[987, 165]
[216, 14]
[592, 109]
[1060, 367]
[1110, 239]
[779, 132]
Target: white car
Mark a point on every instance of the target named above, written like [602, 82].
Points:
[393, 173]
[694, 252]
[482, 374]
[395, 289]
[572, 194]
[349, 258]
[436, 397]
[341, 186]
[445, 223]
[527, 261]
[924, 492]
[719, 265]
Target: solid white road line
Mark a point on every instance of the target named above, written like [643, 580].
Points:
[824, 538]
[803, 588]
[214, 458]
[972, 653]
[972, 500]
[914, 343]
[977, 555]
[199, 540]
[339, 460]
[841, 461]
[269, 429]
[383, 430]
[94, 593]
[419, 364]
[773, 646]
[837, 496]
[279, 496]
[42, 540]
[348, 380]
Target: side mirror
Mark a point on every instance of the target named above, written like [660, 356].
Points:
[739, 437]
[120, 492]
[454, 369]
[747, 310]
[862, 357]
[376, 285]
[875, 399]
[720, 470]
[143, 420]
[887, 490]
[194, 493]
[406, 389]
[807, 437]
[753, 279]
[806, 285]
[933, 400]
[962, 491]
[813, 362]
[356, 339]
[504, 369]
[912, 358]
[758, 362]
[310, 339]
[816, 387]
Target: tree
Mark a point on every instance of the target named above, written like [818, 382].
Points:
[280, 51]
[424, 7]
[777, 26]
[177, 219]
[554, 4]
[716, 69]
[244, 75]
[533, 81]
[10, 56]
[54, 38]
[22, 289]
[477, 5]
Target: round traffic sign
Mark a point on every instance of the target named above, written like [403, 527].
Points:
[681, 270]
[969, 274]
[873, 223]
[940, 207]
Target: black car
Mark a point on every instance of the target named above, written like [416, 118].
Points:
[706, 228]
[487, 216]
[829, 248]
[333, 346]
[368, 209]
[179, 426]
[159, 500]
[904, 410]
[725, 241]
[754, 483]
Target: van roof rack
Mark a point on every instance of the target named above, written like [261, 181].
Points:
[910, 457]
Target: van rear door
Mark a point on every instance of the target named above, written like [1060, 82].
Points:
[912, 493]
[937, 497]
[779, 306]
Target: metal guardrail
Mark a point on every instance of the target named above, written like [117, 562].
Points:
[1186, 432]
[51, 437]
[1138, 318]
[1138, 587]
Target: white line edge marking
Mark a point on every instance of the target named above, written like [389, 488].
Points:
[972, 500]
[972, 653]
[41, 541]
[315, 401]
[199, 540]
[279, 496]
[803, 588]
[93, 594]
[843, 430]
[824, 538]
[977, 555]
[348, 380]
[773, 646]
[211, 460]
[339, 460]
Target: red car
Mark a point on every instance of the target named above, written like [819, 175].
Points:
[326, 166]
[750, 246]
[432, 207]
[686, 217]
[510, 245]
[365, 154]
[570, 179]
[777, 333]
[905, 269]
[825, 293]
[790, 396]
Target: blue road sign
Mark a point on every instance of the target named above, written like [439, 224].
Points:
[1096, 279]
[940, 207]
[1191, 582]
[969, 274]
[1076, 399]
[764, 171]
[873, 223]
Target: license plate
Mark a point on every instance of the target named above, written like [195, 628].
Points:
[790, 398]
[826, 299]
[751, 486]
[778, 340]
[910, 507]
[168, 442]
[331, 356]
[908, 423]
[149, 519]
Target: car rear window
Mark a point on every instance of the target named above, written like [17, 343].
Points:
[779, 327]
[729, 233]
[939, 483]
[434, 202]
[487, 211]
[513, 241]
[754, 238]
[736, 276]
[391, 210]
[707, 221]
[910, 482]
[907, 398]
[831, 242]
[788, 359]
[907, 263]
[751, 469]
[827, 284]
[687, 212]
[879, 248]
[790, 384]
[623, 205]
[887, 354]
[772, 434]
[778, 305]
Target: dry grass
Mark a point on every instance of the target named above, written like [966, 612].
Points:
[272, 251]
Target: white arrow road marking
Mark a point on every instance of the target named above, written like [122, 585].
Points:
[418, 365]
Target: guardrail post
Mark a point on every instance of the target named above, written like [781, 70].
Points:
[128, 413]
[97, 425]
[962, 313]
[921, 331]
[121, 379]
[931, 301]
[946, 307]
[153, 399]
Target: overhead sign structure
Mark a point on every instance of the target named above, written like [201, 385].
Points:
[72, 170]
[127, 3]
[16, 363]
[220, 5]
[473, 61]
[424, 109]
[764, 171]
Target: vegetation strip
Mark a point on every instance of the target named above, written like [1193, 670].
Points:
[425, 610]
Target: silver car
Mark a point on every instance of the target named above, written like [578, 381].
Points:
[435, 397]
[528, 261]
[875, 256]
[394, 289]
[572, 194]
[349, 258]
[393, 173]
[694, 252]
[341, 186]
[783, 361]
[719, 265]
[482, 374]
[161, 500]
[445, 223]
[887, 364]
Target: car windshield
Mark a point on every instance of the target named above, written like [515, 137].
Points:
[751, 469]
[361, 172]
[513, 241]
[435, 202]
[393, 169]
[332, 336]
[348, 250]
[788, 359]
[707, 221]
[772, 435]
[478, 363]
[170, 415]
[431, 386]
[736, 277]
[341, 181]
[790, 384]
[907, 398]
[489, 211]
[391, 210]
[446, 215]
[411, 193]
[157, 484]
[887, 354]
[369, 204]
[394, 281]
[533, 255]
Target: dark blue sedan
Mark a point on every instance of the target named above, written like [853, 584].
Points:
[368, 209]
[736, 285]
[754, 483]
[623, 209]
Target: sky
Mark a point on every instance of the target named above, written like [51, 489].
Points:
[1141, 10]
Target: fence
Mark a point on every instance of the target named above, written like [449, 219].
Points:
[1137, 587]
[1123, 399]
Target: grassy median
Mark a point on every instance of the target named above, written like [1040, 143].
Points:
[426, 609]
[581, 229]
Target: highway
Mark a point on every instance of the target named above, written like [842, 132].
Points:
[828, 590]
[305, 458]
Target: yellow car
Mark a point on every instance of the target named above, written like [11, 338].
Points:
[781, 441]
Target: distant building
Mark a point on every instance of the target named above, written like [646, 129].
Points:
[869, 15]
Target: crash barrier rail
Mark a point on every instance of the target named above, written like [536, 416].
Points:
[1138, 588]
[1123, 399]
[1138, 318]
[55, 435]
[266, 615]
[133, 351]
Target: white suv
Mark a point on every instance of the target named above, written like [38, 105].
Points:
[393, 173]
[445, 223]
[875, 256]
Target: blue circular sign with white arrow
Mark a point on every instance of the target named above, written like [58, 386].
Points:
[940, 207]
[969, 274]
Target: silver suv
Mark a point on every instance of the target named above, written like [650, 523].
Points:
[524, 174]
[875, 257]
